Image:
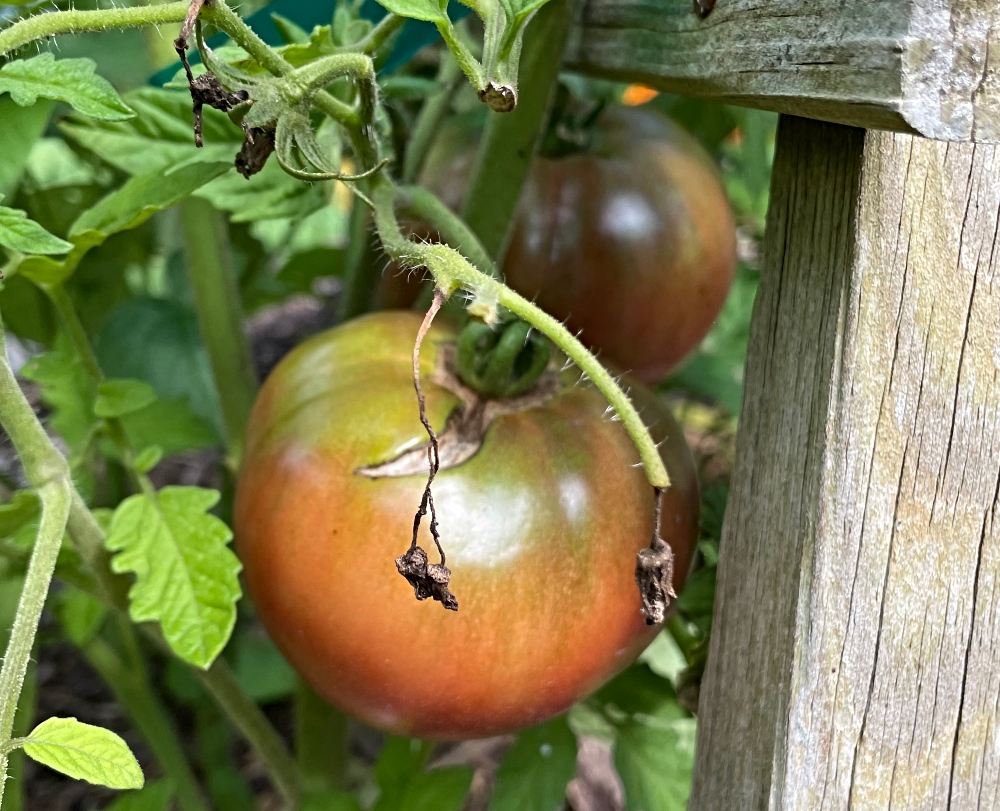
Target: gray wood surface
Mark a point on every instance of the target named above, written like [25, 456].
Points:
[926, 66]
[855, 661]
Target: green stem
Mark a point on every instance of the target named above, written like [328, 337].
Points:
[136, 695]
[47, 471]
[230, 22]
[55, 497]
[220, 318]
[432, 113]
[377, 37]
[320, 741]
[452, 271]
[463, 55]
[14, 795]
[511, 139]
[250, 720]
[54, 23]
[424, 205]
[361, 275]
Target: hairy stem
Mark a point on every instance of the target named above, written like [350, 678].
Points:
[49, 473]
[54, 23]
[223, 17]
[55, 497]
[220, 318]
[424, 205]
[452, 271]
[143, 706]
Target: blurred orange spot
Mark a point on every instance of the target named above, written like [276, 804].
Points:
[636, 94]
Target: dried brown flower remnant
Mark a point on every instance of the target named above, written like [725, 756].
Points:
[654, 572]
[429, 580]
[257, 148]
[206, 89]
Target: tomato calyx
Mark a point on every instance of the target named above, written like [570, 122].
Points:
[503, 362]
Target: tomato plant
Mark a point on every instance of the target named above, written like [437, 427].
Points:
[161, 247]
[541, 527]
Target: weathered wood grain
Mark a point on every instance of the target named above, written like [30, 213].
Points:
[925, 66]
[855, 661]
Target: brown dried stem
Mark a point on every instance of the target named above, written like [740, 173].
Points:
[429, 580]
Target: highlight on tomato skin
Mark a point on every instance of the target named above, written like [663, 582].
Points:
[541, 527]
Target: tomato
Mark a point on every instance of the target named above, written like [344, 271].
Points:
[631, 242]
[541, 527]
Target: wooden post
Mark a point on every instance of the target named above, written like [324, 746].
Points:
[855, 662]
[855, 657]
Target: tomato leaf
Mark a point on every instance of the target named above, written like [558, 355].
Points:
[406, 787]
[160, 136]
[148, 458]
[18, 233]
[270, 194]
[436, 790]
[142, 196]
[79, 614]
[535, 771]
[170, 426]
[66, 389]
[262, 671]
[186, 575]
[23, 507]
[654, 742]
[69, 80]
[153, 797]
[85, 752]
[656, 763]
[22, 127]
[432, 11]
[330, 801]
[116, 398]
[158, 341]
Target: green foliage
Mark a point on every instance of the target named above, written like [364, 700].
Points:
[536, 769]
[85, 752]
[22, 127]
[69, 80]
[159, 137]
[186, 576]
[158, 341]
[152, 797]
[406, 786]
[66, 389]
[80, 615]
[18, 233]
[116, 398]
[23, 507]
[262, 670]
[431, 11]
[654, 740]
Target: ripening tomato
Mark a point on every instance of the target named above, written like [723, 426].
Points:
[631, 241]
[541, 527]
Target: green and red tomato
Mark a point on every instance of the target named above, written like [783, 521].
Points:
[541, 527]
